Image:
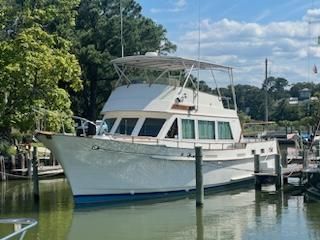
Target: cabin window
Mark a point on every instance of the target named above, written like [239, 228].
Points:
[151, 127]
[188, 129]
[173, 131]
[224, 130]
[206, 129]
[106, 125]
[126, 125]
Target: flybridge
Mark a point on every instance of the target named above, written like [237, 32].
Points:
[174, 70]
[160, 63]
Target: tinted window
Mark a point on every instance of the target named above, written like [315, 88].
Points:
[188, 129]
[173, 131]
[206, 130]
[151, 127]
[106, 125]
[224, 130]
[126, 125]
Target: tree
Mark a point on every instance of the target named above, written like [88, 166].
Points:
[249, 101]
[294, 90]
[34, 62]
[98, 41]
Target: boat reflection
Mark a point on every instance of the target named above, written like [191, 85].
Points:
[225, 214]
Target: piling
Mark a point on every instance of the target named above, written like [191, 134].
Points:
[2, 168]
[284, 159]
[277, 165]
[199, 177]
[29, 164]
[35, 174]
[305, 158]
[317, 149]
[257, 182]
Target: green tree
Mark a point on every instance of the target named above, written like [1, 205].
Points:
[98, 41]
[250, 101]
[34, 63]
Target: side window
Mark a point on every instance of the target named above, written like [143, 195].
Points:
[173, 131]
[126, 125]
[106, 125]
[188, 129]
[224, 130]
[206, 129]
[151, 127]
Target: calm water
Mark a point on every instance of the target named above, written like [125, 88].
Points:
[241, 214]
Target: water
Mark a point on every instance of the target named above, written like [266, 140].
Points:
[238, 214]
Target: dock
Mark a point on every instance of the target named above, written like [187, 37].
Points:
[20, 165]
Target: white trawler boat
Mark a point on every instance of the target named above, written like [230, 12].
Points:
[145, 146]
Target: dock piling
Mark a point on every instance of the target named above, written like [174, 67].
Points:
[35, 174]
[199, 177]
[2, 169]
[278, 173]
[257, 182]
[284, 159]
[305, 158]
[317, 149]
[29, 164]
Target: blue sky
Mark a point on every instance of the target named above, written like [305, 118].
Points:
[242, 33]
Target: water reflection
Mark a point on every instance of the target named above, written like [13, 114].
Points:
[53, 212]
[241, 214]
[200, 228]
[224, 215]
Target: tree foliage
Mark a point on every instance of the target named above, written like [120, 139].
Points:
[34, 60]
[98, 40]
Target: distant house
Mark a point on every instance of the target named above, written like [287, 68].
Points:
[293, 100]
[314, 99]
[304, 94]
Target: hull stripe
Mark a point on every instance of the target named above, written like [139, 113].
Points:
[128, 197]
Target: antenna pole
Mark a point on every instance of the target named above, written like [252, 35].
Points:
[198, 85]
[121, 27]
[266, 89]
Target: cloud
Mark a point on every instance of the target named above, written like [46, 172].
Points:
[312, 15]
[245, 45]
[176, 6]
[180, 3]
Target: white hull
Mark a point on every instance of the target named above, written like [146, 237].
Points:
[117, 170]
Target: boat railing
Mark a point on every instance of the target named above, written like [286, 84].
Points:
[179, 143]
[20, 227]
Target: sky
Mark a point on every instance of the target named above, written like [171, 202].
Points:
[243, 33]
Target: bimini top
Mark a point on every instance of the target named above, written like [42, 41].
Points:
[166, 63]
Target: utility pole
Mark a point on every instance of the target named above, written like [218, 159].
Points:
[266, 90]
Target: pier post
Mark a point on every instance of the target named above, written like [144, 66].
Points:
[284, 159]
[35, 174]
[278, 172]
[199, 177]
[29, 164]
[2, 168]
[305, 158]
[317, 149]
[257, 182]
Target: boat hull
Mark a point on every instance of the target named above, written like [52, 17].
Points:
[311, 180]
[112, 171]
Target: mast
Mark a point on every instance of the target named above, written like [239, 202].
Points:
[198, 85]
[266, 90]
[121, 29]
